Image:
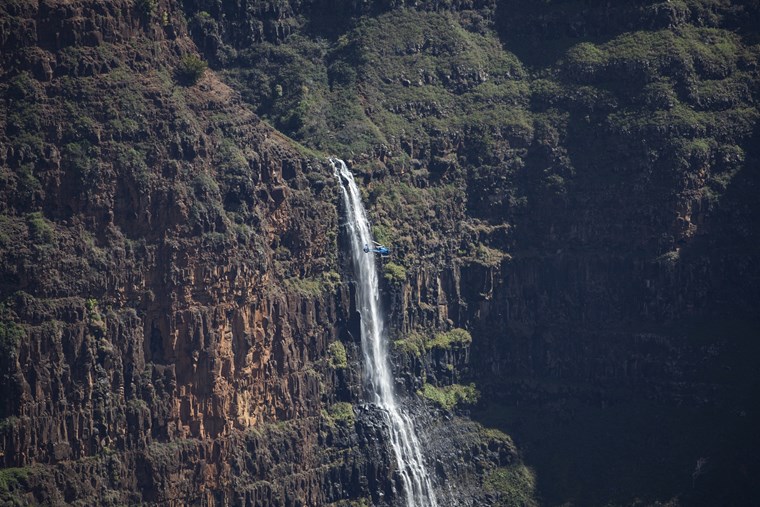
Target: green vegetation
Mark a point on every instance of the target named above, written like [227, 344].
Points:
[369, 88]
[464, 156]
[190, 70]
[310, 286]
[146, 7]
[338, 357]
[491, 256]
[382, 234]
[166, 454]
[449, 397]
[11, 477]
[420, 222]
[96, 322]
[515, 486]
[27, 184]
[138, 406]
[413, 343]
[81, 158]
[342, 413]
[11, 335]
[361, 502]
[40, 228]
[417, 344]
[707, 52]
[495, 435]
[412, 81]
[205, 187]
[9, 423]
[455, 338]
[11, 228]
[394, 273]
[130, 161]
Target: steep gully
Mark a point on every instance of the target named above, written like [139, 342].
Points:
[406, 447]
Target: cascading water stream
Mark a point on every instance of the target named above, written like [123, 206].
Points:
[406, 447]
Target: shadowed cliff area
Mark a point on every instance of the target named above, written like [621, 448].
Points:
[568, 189]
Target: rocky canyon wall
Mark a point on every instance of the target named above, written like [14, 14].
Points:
[568, 189]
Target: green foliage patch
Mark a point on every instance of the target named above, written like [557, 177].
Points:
[394, 273]
[11, 477]
[418, 221]
[455, 338]
[342, 413]
[190, 70]
[338, 357]
[361, 502]
[41, 230]
[413, 343]
[9, 423]
[11, 335]
[11, 228]
[146, 7]
[313, 286]
[515, 486]
[417, 344]
[708, 52]
[82, 158]
[393, 78]
[449, 397]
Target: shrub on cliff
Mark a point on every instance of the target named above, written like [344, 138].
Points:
[190, 70]
[456, 337]
[11, 335]
[10, 479]
[146, 7]
[342, 412]
[394, 273]
[413, 343]
[449, 397]
[40, 229]
[338, 357]
[515, 484]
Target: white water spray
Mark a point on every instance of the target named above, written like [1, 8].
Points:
[406, 446]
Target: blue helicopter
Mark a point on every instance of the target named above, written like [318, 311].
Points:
[377, 248]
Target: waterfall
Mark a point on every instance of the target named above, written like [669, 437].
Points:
[378, 375]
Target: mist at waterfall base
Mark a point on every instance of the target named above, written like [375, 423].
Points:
[418, 486]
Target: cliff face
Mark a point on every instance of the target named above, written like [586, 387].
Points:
[174, 327]
[571, 183]
[149, 345]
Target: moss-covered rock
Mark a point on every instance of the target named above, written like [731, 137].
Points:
[451, 397]
[514, 485]
[338, 358]
[454, 338]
